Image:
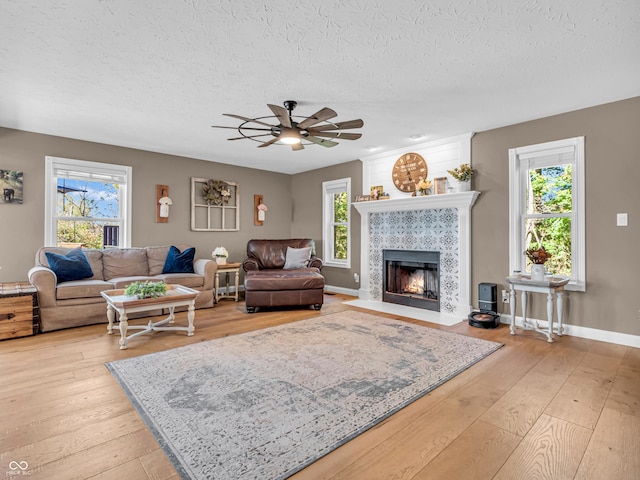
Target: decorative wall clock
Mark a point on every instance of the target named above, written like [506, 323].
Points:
[408, 170]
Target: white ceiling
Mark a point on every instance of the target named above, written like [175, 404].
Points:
[156, 74]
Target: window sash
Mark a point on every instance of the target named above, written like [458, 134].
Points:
[521, 160]
[329, 190]
[121, 175]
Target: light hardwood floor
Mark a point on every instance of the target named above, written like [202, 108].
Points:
[532, 410]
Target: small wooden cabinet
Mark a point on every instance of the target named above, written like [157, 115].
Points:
[19, 314]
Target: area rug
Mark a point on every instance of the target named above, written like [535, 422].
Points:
[265, 404]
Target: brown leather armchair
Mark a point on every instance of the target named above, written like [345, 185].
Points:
[267, 283]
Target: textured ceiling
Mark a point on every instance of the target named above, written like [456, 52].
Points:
[156, 75]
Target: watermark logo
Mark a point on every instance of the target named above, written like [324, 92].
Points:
[18, 468]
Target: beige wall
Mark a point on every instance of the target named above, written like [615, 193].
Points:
[612, 156]
[22, 226]
[612, 145]
[306, 191]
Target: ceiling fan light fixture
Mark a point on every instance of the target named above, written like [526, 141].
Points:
[289, 137]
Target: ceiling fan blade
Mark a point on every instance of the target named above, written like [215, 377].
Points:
[339, 126]
[321, 141]
[270, 142]
[250, 136]
[344, 135]
[243, 128]
[282, 115]
[319, 116]
[297, 146]
[239, 117]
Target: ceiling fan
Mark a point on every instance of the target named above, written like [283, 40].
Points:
[316, 128]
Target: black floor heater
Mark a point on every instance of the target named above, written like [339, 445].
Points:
[487, 316]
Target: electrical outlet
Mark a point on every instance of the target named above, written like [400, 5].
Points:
[356, 278]
[505, 296]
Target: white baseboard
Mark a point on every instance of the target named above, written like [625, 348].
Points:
[344, 291]
[584, 332]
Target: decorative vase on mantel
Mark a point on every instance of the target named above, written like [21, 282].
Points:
[463, 186]
[221, 260]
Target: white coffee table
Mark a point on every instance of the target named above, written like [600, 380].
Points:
[176, 296]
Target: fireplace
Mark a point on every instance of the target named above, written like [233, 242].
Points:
[412, 278]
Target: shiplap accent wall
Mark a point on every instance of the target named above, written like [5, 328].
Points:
[440, 155]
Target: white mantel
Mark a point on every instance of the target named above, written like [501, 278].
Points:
[462, 202]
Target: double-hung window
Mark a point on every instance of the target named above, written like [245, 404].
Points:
[336, 217]
[87, 203]
[546, 194]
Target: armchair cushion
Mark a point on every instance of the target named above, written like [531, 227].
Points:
[297, 258]
[72, 266]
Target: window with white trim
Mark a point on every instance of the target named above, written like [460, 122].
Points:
[87, 203]
[546, 207]
[336, 221]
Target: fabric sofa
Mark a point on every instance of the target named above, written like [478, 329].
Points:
[282, 273]
[74, 303]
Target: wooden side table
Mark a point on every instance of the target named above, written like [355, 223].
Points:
[553, 287]
[19, 313]
[229, 268]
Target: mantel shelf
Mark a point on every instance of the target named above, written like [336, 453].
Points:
[461, 200]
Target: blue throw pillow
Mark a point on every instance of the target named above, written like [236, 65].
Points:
[177, 262]
[72, 266]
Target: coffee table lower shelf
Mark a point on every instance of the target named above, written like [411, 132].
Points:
[177, 296]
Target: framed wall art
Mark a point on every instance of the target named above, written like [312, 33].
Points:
[439, 185]
[215, 205]
[11, 186]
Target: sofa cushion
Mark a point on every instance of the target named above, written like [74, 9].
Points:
[72, 266]
[123, 282]
[279, 279]
[191, 280]
[156, 256]
[179, 262]
[125, 262]
[297, 258]
[82, 289]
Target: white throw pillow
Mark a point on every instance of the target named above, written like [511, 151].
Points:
[297, 258]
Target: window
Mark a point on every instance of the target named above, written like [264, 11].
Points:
[546, 196]
[87, 203]
[336, 235]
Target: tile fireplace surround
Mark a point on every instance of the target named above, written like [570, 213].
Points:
[435, 222]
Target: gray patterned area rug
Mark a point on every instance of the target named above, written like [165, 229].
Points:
[265, 404]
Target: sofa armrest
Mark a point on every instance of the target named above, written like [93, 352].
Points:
[250, 264]
[316, 262]
[207, 268]
[44, 280]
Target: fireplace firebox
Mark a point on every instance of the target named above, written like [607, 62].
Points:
[412, 278]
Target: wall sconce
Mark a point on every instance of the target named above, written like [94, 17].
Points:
[162, 203]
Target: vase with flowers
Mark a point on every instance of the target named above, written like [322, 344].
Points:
[463, 175]
[538, 257]
[220, 255]
[262, 209]
[423, 186]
